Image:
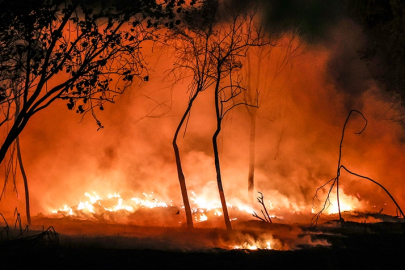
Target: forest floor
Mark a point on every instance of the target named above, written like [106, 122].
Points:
[93, 245]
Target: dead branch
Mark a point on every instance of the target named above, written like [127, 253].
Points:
[265, 214]
[335, 180]
[375, 182]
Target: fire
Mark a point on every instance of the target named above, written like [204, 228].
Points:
[115, 208]
[344, 206]
[86, 206]
[202, 217]
[253, 246]
[96, 207]
[113, 203]
[149, 202]
[120, 206]
[65, 209]
[202, 203]
[347, 203]
[92, 198]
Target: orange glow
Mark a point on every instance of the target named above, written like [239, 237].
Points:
[253, 246]
[112, 203]
[202, 208]
[298, 132]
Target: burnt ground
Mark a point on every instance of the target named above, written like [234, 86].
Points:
[364, 257]
[355, 246]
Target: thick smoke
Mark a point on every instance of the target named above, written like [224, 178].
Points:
[364, 53]
[310, 19]
[347, 71]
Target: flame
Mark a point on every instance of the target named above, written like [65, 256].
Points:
[150, 202]
[202, 203]
[98, 205]
[347, 203]
[203, 209]
[253, 246]
[344, 206]
[86, 206]
[93, 199]
[202, 217]
[120, 206]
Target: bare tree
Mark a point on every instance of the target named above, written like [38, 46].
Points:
[209, 48]
[190, 42]
[237, 31]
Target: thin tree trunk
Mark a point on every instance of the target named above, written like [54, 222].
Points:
[219, 178]
[27, 196]
[252, 153]
[216, 156]
[180, 173]
[20, 163]
[12, 134]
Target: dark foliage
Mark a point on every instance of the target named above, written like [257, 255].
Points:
[85, 52]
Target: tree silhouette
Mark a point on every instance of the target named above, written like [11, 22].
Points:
[83, 52]
[335, 181]
[237, 31]
[190, 42]
[209, 47]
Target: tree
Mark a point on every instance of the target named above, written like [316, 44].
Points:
[208, 49]
[84, 52]
[239, 31]
[190, 42]
[257, 82]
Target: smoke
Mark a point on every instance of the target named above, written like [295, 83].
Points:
[349, 73]
[311, 20]
[298, 133]
[358, 61]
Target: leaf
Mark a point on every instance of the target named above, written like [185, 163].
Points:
[70, 105]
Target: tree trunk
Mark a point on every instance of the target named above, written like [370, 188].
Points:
[27, 195]
[218, 114]
[12, 134]
[20, 163]
[219, 178]
[252, 153]
[180, 173]
[183, 187]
